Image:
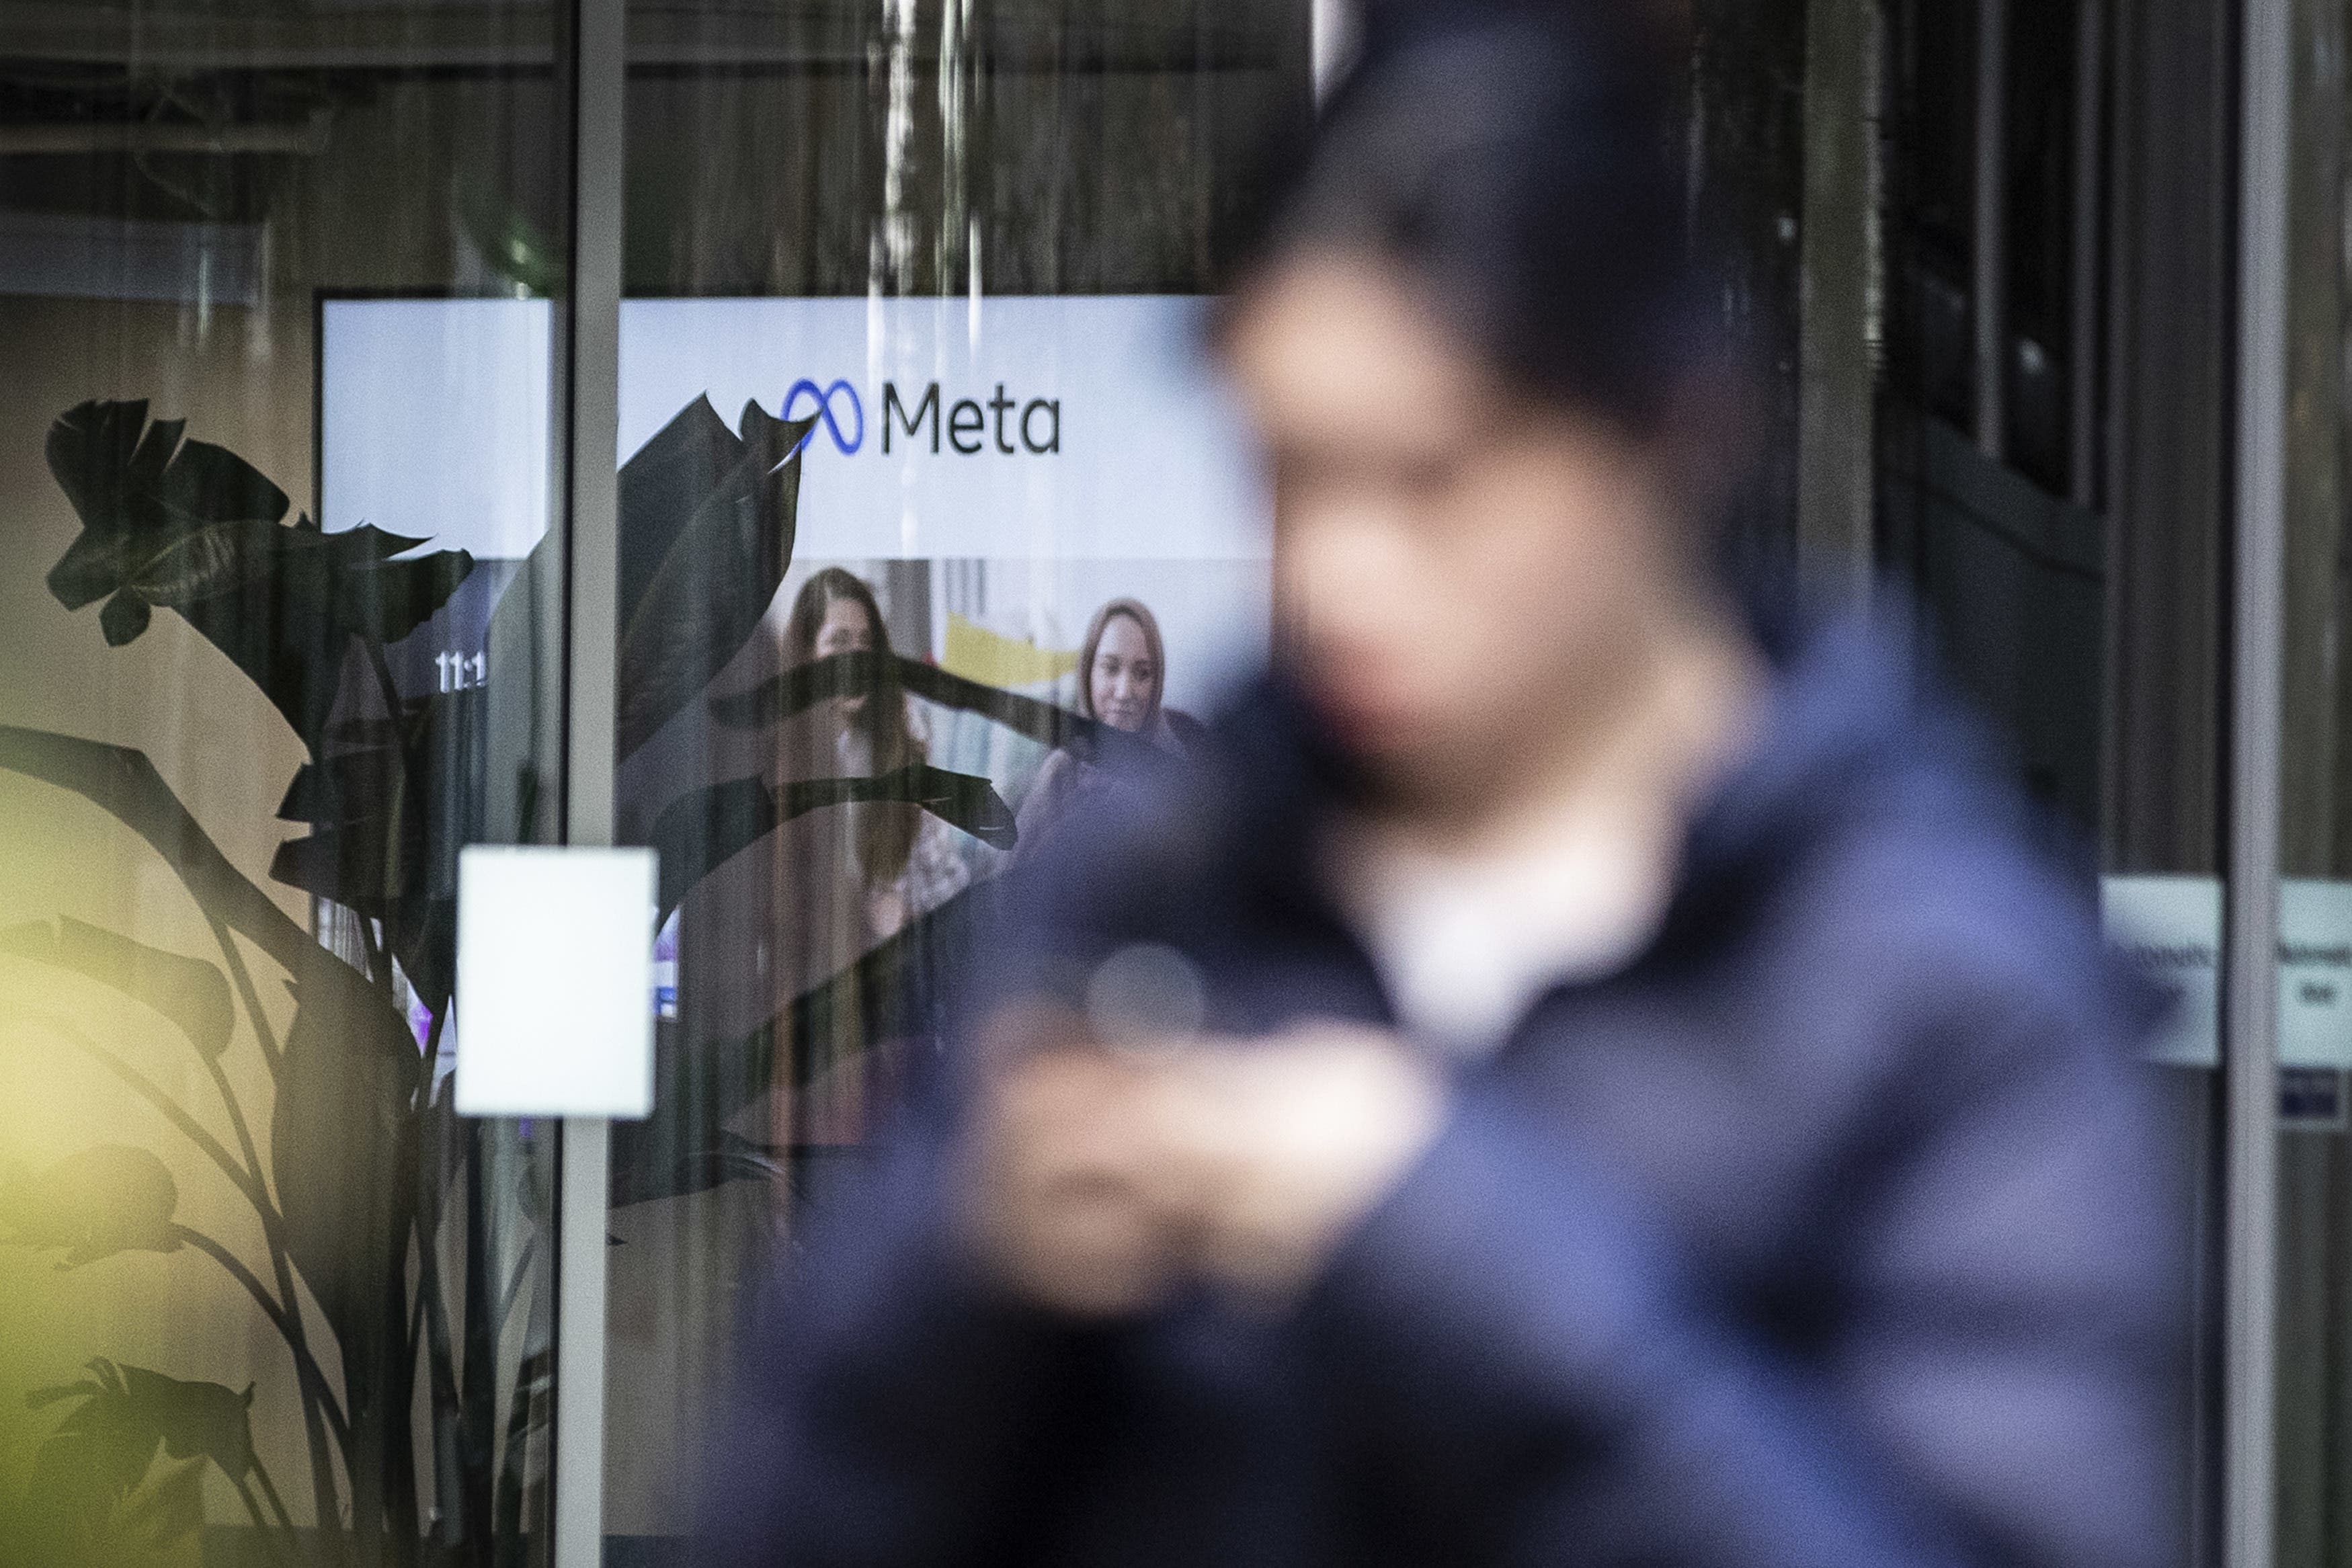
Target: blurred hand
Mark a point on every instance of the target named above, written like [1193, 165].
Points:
[1288, 1142]
[1070, 1204]
[1104, 1179]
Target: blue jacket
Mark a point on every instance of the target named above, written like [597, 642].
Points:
[1832, 1230]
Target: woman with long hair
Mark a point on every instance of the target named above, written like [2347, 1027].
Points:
[1122, 680]
[902, 862]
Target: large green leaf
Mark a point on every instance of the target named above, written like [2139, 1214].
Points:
[115, 1197]
[720, 570]
[698, 833]
[190, 992]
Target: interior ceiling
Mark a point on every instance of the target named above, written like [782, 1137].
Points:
[185, 110]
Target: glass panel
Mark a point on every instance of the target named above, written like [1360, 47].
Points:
[2314, 1303]
[969, 241]
[278, 615]
[2069, 549]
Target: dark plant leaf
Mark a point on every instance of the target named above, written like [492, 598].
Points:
[206, 484]
[190, 992]
[124, 784]
[127, 1413]
[715, 581]
[97, 1453]
[337, 1132]
[95, 454]
[660, 487]
[135, 488]
[795, 690]
[367, 829]
[196, 1420]
[123, 618]
[698, 833]
[389, 807]
[288, 608]
[1088, 739]
[119, 1482]
[111, 1199]
[961, 801]
[201, 562]
[801, 687]
[195, 528]
[342, 1158]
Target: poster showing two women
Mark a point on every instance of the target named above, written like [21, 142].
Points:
[925, 564]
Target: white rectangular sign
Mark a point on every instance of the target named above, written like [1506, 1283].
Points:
[1045, 428]
[2171, 927]
[555, 982]
[2315, 973]
[1050, 428]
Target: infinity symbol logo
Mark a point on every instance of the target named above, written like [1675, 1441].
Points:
[824, 398]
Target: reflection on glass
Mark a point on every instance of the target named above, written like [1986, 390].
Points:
[267, 1299]
[2314, 1154]
[957, 251]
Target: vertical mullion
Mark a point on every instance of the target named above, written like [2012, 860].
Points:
[1837, 385]
[2251, 1067]
[2082, 360]
[1989, 307]
[593, 599]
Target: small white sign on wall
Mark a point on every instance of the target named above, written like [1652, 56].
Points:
[555, 982]
[2315, 973]
[2171, 927]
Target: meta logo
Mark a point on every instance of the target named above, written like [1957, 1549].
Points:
[829, 399]
[966, 424]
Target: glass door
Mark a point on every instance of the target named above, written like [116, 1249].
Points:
[2305, 153]
[2055, 456]
[915, 439]
[280, 613]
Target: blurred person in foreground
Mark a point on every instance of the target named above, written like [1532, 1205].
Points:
[1576, 1074]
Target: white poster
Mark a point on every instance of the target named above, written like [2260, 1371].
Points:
[1050, 428]
[1043, 514]
[2172, 927]
[1046, 456]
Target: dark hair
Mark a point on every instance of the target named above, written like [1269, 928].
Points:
[885, 835]
[1518, 159]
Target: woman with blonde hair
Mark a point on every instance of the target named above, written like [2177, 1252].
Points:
[1122, 683]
